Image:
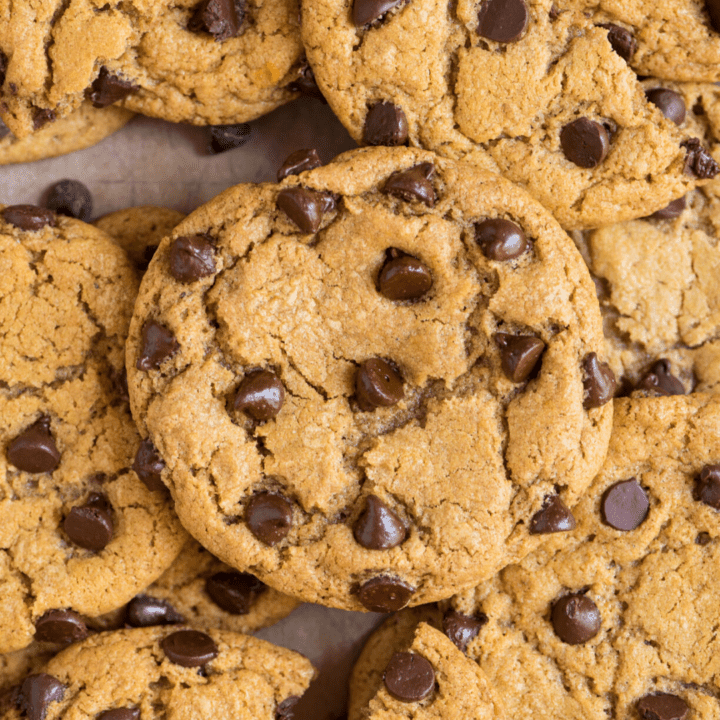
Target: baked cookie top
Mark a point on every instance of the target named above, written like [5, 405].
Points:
[207, 63]
[544, 94]
[361, 383]
[81, 534]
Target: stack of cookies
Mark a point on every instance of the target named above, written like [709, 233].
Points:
[466, 374]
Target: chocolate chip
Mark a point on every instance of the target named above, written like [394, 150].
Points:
[189, 648]
[367, 11]
[234, 592]
[698, 160]
[60, 626]
[669, 102]
[413, 184]
[707, 486]
[378, 384]
[584, 142]
[305, 83]
[261, 395]
[385, 594]
[385, 124]
[576, 619]
[28, 217]
[146, 611]
[3, 67]
[299, 161]
[661, 381]
[221, 18]
[303, 207]
[625, 505]
[519, 355]
[149, 465]
[500, 239]
[553, 517]
[503, 21]
[34, 450]
[90, 526]
[71, 198]
[269, 517]
[41, 117]
[4, 129]
[404, 277]
[599, 382]
[37, 692]
[120, 714]
[284, 710]
[191, 257]
[378, 527]
[228, 137]
[157, 345]
[623, 41]
[703, 538]
[409, 677]
[713, 8]
[663, 706]
[108, 89]
[462, 629]
[670, 211]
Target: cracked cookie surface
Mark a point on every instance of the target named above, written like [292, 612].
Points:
[250, 338]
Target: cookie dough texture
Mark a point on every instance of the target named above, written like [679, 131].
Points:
[56, 49]
[465, 459]
[465, 96]
[247, 680]
[66, 296]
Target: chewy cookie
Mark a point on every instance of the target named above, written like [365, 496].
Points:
[81, 534]
[362, 383]
[544, 94]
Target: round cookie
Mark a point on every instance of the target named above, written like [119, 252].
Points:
[210, 62]
[543, 94]
[369, 412]
[81, 533]
[83, 128]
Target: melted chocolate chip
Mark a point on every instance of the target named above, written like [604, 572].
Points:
[707, 486]
[625, 505]
[34, 450]
[284, 710]
[698, 161]
[189, 648]
[385, 124]
[305, 83]
[599, 382]
[303, 207]
[409, 677]
[60, 626]
[663, 706]
[585, 142]
[463, 629]
[28, 217]
[108, 89]
[623, 41]
[661, 381]
[269, 517]
[90, 526]
[37, 692]
[157, 345]
[261, 395]
[413, 184]
[670, 211]
[404, 277]
[120, 714]
[191, 257]
[713, 8]
[149, 465]
[500, 239]
[228, 137]
[378, 527]
[146, 611]
[502, 21]
[385, 594]
[3, 67]
[669, 102]
[368, 11]
[41, 117]
[234, 592]
[221, 18]
[576, 619]
[71, 198]
[519, 355]
[378, 384]
[553, 517]
[299, 161]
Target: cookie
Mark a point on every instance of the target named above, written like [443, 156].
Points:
[85, 127]
[318, 366]
[545, 95]
[139, 230]
[208, 63]
[168, 671]
[81, 533]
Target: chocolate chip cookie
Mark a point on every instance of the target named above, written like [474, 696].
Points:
[544, 94]
[361, 384]
[81, 533]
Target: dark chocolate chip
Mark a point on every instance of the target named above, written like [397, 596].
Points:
[191, 257]
[385, 124]
[669, 102]
[503, 21]
[90, 526]
[305, 83]
[404, 277]
[661, 381]
[299, 161]
[519, 355]
[60, 626]
[234, 592]
[189, 648]
[500, 239]
[149, 465]
[4, 129]
[108, 88]
[285, 709]
[3, 67]
[146, 611]
[623, 41]
[71, 198]
[713, 8]
[409, 677]
[228, 137]
[663, 706]
[576, 619]
[120, 714]
[37, 692]
[29, 217]
[585, 142]
[707, 486]
[599, 382]
[413, 184]
[41, 117]
[553, 517]
[378, 527]
[367, 11]
[303, 207]
[698, 160]
[269, 517]
[378, 384]
[157, 345]
[670, 211]
[261, 395]
[463, 629]
[625, 505]
[223, 19]
[34, 450]
[385, 594]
